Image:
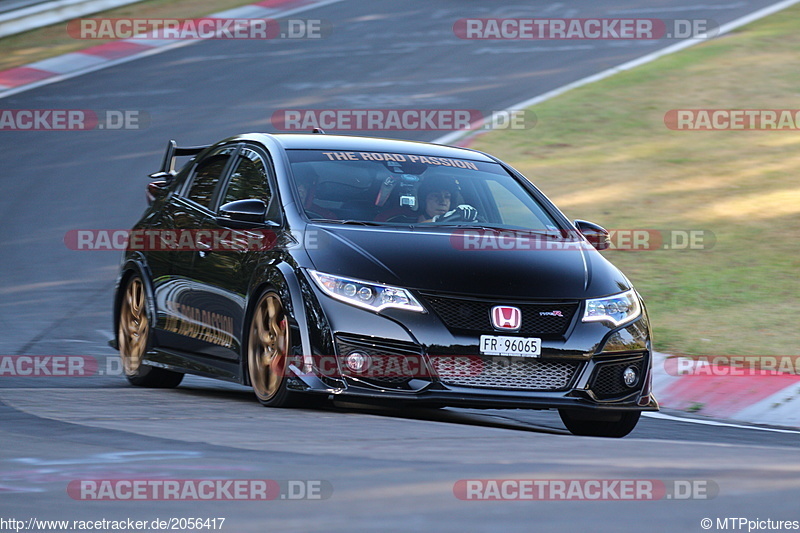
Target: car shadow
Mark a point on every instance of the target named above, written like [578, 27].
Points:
[514, 419]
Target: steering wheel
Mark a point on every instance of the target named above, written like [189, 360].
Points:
[462, 213]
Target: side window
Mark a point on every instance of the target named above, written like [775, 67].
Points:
[249, 179]
[207, 176]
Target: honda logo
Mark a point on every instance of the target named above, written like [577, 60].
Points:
[506, 317]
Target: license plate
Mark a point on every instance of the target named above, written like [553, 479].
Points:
[517, 346]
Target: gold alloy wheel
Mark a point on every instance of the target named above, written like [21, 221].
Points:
[133, 327]
[267, 347]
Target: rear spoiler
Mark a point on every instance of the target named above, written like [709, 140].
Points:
[167, 170]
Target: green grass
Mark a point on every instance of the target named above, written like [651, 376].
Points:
[603, 153]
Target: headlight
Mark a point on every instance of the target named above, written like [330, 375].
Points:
[615, 310]
[372, 296]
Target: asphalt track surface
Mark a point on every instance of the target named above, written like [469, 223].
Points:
[388, 471]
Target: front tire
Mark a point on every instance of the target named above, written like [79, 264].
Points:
[268, 352]
[614, 424]
[133, 335]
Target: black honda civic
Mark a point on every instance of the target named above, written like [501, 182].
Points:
[317, 267]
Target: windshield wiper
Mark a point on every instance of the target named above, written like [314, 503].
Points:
[349, 222]
[552, 234]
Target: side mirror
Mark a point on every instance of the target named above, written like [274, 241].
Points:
[251, 211]
[596, 235]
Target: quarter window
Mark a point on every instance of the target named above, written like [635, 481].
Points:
[249, 179]
[207, 176]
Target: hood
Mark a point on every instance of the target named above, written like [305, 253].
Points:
[437, 261]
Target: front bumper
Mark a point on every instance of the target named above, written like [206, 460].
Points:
[579, 369]
[431, 391]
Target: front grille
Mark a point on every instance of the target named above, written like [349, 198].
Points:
[608, 381]
[475, 315]
[519, 373]
[394, 363]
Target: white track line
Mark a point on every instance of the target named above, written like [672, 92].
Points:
[725, 28]
[715, 423]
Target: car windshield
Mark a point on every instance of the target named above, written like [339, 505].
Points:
[377, 188]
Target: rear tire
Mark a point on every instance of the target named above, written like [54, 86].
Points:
[607, 424]
[133, 336]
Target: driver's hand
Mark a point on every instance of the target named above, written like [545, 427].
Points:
[463, 213]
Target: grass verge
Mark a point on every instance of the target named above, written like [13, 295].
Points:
[603, 153]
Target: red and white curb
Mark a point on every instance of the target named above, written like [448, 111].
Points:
[111, 53]
[759, 399]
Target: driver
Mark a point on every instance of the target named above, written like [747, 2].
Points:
[436, 195]
[304, 184]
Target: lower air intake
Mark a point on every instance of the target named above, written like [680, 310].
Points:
[517, 373]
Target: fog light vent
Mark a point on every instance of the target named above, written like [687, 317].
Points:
[617, 379]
